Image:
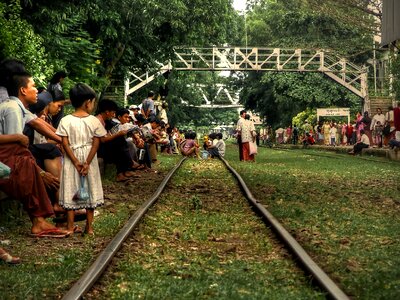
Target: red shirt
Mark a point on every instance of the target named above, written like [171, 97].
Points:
[396, 116]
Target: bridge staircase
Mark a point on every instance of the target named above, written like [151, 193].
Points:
[380, 102]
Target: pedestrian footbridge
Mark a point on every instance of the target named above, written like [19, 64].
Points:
[243, 59]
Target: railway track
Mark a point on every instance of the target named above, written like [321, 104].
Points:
[97, 269]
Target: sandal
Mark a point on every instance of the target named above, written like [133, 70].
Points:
[122, 178]
[138, 167]
[51, 233]
[130, 174]
[7, 258]
[77, 229]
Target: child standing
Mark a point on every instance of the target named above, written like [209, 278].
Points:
[378, 133]
[81, 133]
[332, 134]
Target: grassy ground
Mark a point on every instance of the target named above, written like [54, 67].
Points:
[50, 266]
[202, 240]
[342, 209]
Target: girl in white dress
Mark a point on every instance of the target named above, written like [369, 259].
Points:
[80, 184]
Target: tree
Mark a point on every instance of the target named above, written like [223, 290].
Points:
[125, 34]
[18, 40]
[280, 96]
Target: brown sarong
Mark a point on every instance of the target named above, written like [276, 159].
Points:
[25, 183]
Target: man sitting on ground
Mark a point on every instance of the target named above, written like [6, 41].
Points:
[27, 182]
[363, 143]
[217, 149]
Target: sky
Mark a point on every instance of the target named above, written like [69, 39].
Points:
[239, 4]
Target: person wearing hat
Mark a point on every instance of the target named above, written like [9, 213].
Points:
[133, 112]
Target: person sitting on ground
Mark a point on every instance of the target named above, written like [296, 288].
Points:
[176, 137]
[363, 143]
[125, 124]
[4, 255]
[172, 146]
[163, 141]
[140, 142]
[394, 144]
[189, 146]
[8, 68]
[217, 149]
[55, 89]
[151, 136]
[308, 140]
[113, 147]
[28, 182]
[47, 154]
[206, 141]
[134, 110]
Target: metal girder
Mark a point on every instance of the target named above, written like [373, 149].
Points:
[221, 92]
[353, 77]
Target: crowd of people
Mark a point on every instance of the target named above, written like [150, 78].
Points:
[382, 131]
[54, 158]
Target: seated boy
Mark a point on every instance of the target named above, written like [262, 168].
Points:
[217, 149]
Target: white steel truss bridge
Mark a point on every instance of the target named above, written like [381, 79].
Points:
[241, 59]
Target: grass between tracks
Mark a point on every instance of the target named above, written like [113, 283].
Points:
[202, 240]
[344, 210]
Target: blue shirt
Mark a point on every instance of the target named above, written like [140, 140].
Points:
[148, 105]
[14, 116]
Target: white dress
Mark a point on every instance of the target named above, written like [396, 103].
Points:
[80, 132]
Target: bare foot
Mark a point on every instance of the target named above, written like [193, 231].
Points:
[58, 209]
[39, 224]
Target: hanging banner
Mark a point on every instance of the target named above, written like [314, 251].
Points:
[334, 112]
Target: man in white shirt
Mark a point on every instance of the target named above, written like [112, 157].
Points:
[363, 143]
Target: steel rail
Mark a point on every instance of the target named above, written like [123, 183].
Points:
[324, 281]
[87, 280]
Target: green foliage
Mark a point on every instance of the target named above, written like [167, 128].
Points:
[294, 24]
[395, 68]
[18, 40]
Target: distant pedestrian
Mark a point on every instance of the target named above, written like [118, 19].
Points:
[389, 129]
[248, 136]
[239, 127]
[295, 135]
[148, 108]
[396, 120]
[332, 133]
